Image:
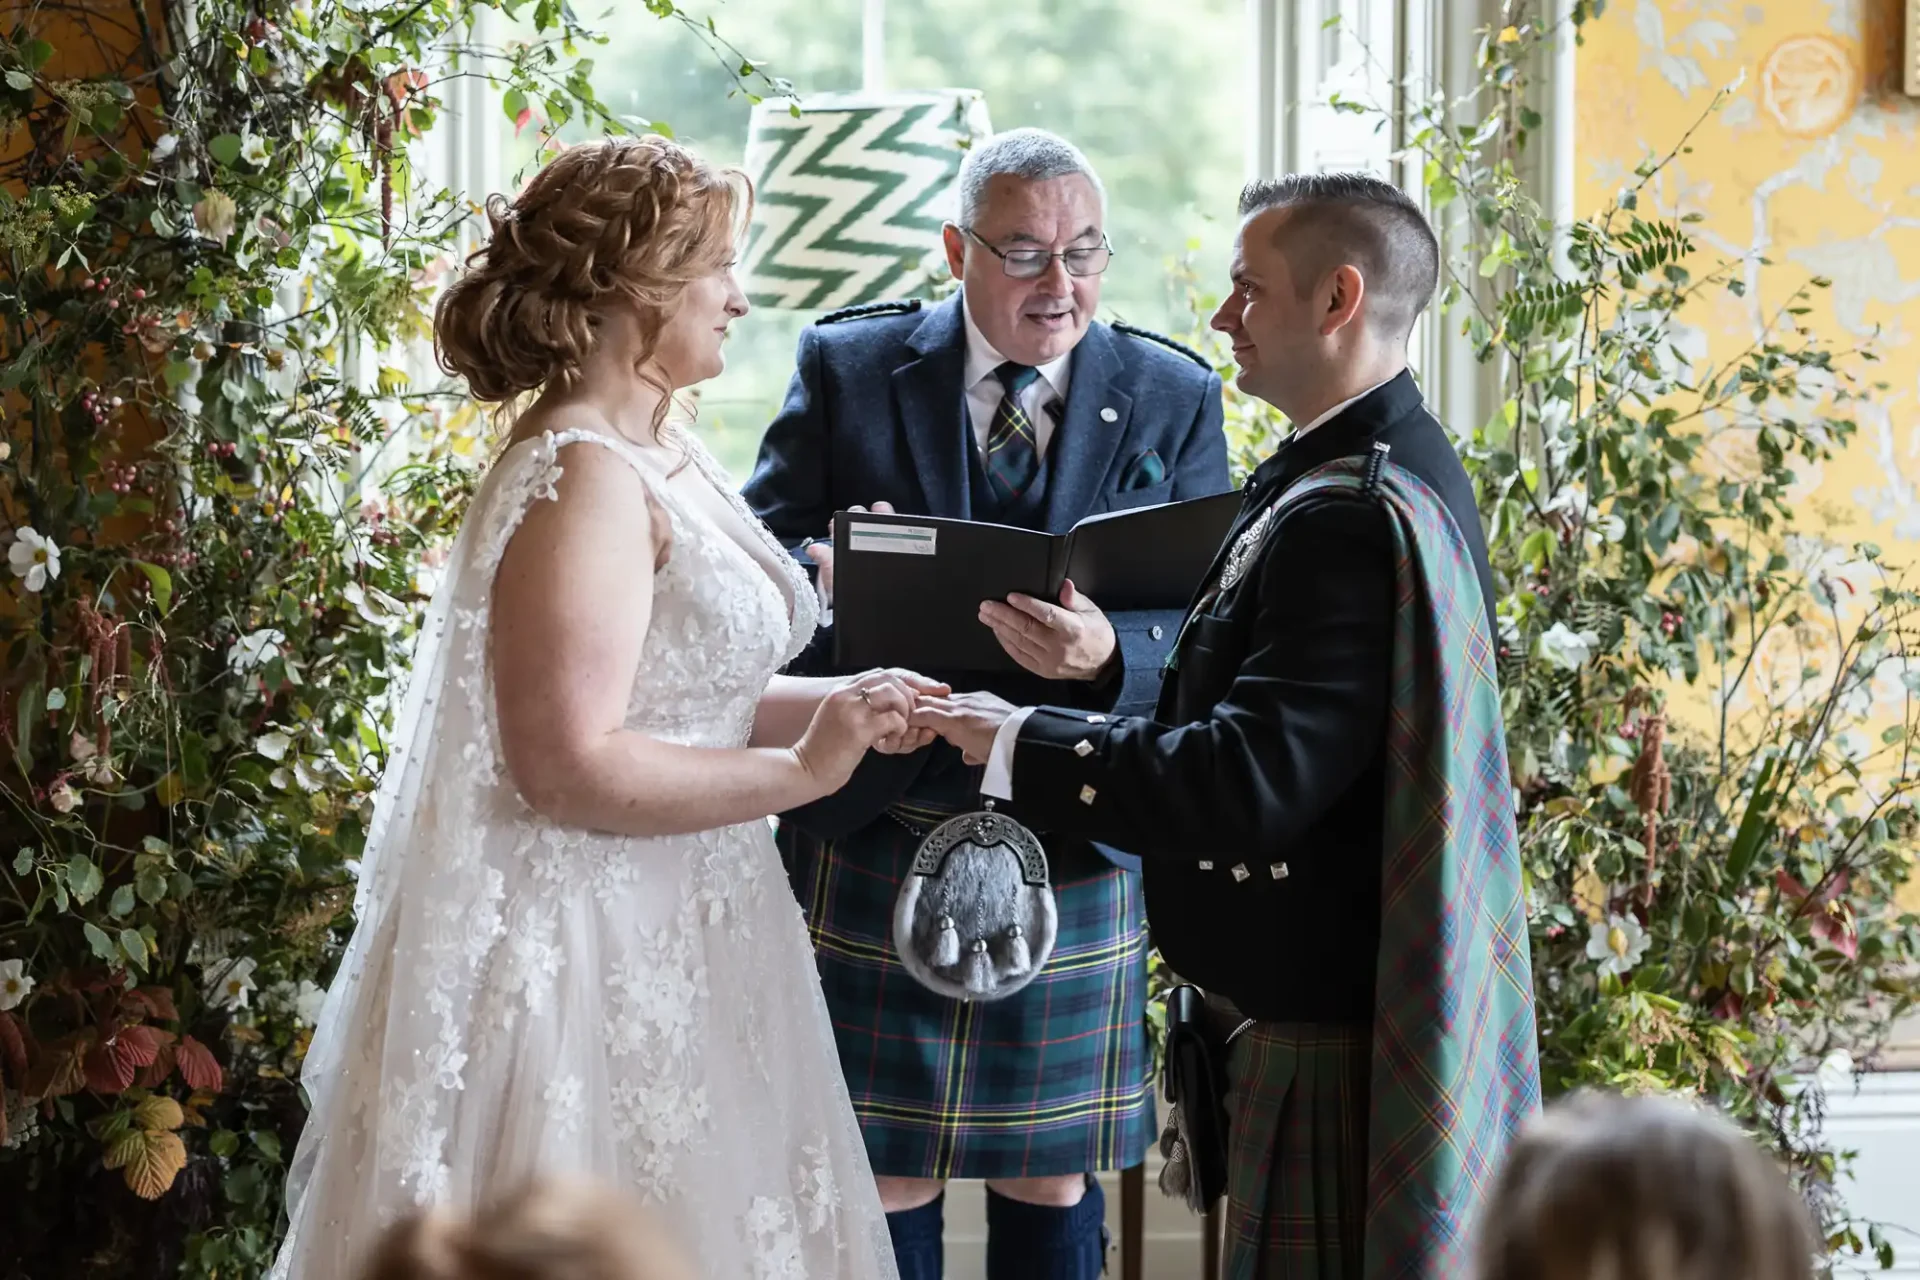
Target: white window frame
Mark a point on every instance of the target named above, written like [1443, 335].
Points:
[1416, 44]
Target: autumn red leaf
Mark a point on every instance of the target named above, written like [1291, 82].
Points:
[1837, 932]
[60, 1069]
[112, 1065]
[158, 1002]
[141, 1043]
[13, 1049]
[163, 1062]
[197, 1066]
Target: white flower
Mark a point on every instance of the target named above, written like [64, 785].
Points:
[1566, 648]
[163, 147]
[1836, 1072]
[33, 557]
[99, 771]
[62, 797]
[255, 649]
[253, 149]
[273, 745]
[1607, 528]
[1618, 943]
[14, 983]
[80, 747]
[234, 984]
[308, 1000]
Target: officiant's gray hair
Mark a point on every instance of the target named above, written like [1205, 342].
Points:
[1359, 219]
[1032, 154]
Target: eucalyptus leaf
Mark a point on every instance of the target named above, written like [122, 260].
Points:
[104, 947]
[83, 878]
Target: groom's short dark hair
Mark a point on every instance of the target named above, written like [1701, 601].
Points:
[1359, 219]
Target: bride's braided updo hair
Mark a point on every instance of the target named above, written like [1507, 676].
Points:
[631, 219]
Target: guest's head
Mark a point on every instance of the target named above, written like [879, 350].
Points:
[1608, 1188]
[1025, 197]
[617, 256]
[552, 1230]
[1330, 270]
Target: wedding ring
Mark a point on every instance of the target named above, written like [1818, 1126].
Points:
[866, 698]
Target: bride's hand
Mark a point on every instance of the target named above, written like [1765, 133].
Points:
[869, 710]
[917, 686]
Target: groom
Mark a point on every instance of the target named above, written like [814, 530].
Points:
[1006, 403]
[1321, 799]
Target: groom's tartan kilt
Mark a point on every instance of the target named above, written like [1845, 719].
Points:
[1053, 1079]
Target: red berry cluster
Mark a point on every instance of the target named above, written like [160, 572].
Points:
[379, 533]
[220, 449]
[100, 408]
[121, 478]
[1669, 622]
[181, 559]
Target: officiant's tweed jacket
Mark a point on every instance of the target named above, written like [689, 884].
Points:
[1054, 1079]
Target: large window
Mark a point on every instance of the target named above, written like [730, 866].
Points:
[1151, 91]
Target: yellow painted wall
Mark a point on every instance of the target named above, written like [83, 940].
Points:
[1814, 163]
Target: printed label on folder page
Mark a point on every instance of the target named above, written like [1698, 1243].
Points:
[901, 539]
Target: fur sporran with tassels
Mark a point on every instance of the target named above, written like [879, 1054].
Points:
[975, 919]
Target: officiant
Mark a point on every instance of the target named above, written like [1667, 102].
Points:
[1321, 797]
[1007, 403]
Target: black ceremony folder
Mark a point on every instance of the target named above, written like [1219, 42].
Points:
[907, 589]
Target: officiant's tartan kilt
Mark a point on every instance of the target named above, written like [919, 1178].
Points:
[1053, 1079]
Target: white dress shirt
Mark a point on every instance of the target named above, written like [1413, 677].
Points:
[998, 781]
[985, 391]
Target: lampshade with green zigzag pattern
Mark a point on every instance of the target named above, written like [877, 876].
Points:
[852, 192]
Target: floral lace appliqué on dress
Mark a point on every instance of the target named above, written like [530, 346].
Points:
[522, 997]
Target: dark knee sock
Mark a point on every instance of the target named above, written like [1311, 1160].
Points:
[1039, 1242]
[917, 1239]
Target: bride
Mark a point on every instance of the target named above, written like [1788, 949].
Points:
[576, 951]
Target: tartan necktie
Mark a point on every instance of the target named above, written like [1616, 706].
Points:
[1013, 453]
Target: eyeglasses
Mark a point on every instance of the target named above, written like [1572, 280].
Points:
[1025, 264]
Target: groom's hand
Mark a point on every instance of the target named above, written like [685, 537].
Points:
[968, 720]
[1071, 640]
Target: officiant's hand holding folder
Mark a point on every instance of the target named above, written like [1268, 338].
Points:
[907, 589]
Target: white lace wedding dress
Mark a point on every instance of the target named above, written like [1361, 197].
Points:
[521, 997]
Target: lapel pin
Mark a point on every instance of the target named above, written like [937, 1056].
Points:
[1109, 414]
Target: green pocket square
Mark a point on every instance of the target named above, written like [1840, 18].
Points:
[1144, 472]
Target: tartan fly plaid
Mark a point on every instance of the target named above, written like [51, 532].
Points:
[1054, 1079]
[1454, 1065]
[1296, 1152]
[1013, 448]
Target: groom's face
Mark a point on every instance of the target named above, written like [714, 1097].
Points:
[1271, 321]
